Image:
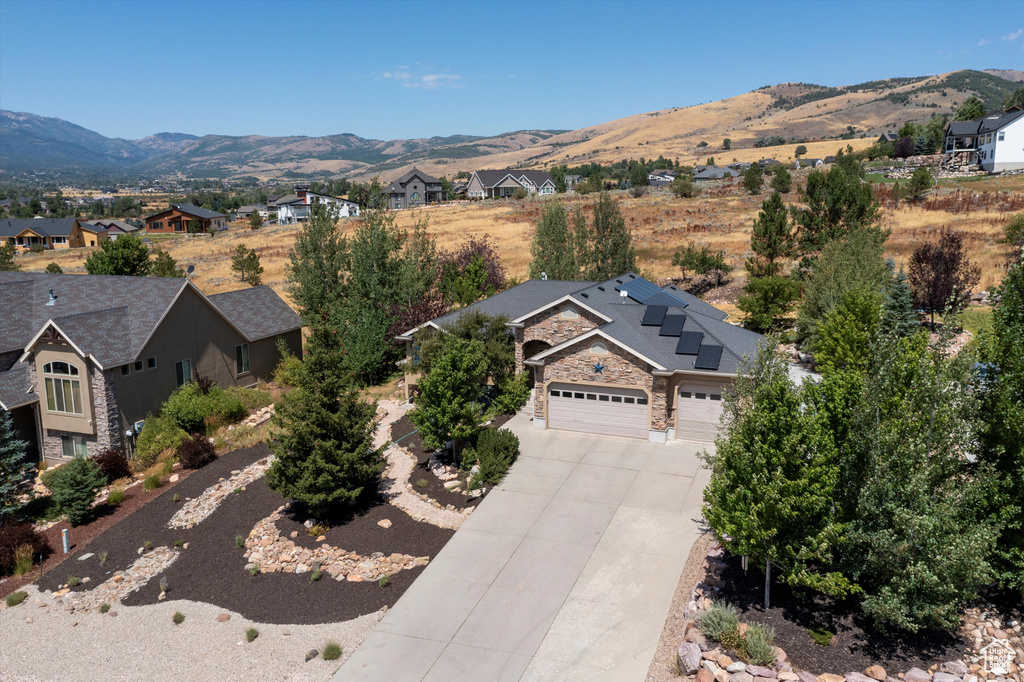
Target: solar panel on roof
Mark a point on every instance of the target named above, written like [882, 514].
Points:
[639, 289]
[689, 343]
[672, 326]
[665, 298]
[654, 315]
[708, 357]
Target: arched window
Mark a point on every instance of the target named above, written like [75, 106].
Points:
[570, 313]
[598, 348]
[62, 394]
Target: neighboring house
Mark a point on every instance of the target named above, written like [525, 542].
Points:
[414, 189]
[83, 358]
[176, 219]
[660, 177]
[715, 173]
[994, 142]
[494, 184]
[50, 233]
[244, 212]
[887, 137]
[808, 163]
[740, 167]
[829, 159]
[115, 228]
[571, 181]
[294, 208]
[622, 357]
[767, 162]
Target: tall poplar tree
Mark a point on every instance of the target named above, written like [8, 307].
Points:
[611, 251]
[552, 247]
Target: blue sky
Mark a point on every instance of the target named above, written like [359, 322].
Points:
[416, 69]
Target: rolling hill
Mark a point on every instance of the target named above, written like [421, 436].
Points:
[816, 114]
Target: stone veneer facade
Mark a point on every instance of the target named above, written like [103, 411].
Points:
[575, 364]
[549, 326]
[106, 422]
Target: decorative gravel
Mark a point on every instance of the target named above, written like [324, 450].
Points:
[47, 643]
[197, 509]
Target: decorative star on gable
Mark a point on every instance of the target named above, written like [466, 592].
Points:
[599, 368]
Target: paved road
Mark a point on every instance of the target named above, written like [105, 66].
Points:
[565, 572]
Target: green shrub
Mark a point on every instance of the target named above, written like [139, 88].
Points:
[423, 483]
[496, 449]
[159, 434]
[15, 598]
[179, 543]
[513, 392]
[74, 487]
[383, 581]
[254, 571]
[168, 468]
[151, 482]
[74, 581]
[239, 541]
[758, 641]
[175, 498]
[178, 618]
[23, 559]
[718, 621]
[251, 634]
[315, 575]
[252, 398]
[821, 636]
[147, 545]
[332, 651]
[287, 371]
[104, 607]
[115, 496]
[191, 408]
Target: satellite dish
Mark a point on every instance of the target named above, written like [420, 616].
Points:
[190, 270]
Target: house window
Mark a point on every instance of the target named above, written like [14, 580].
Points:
[555, 394]
[242, 359]
[126, 370]
[598, 348]
[570, 313]
[58, 240]
[73, 446]
[641, 401]
[415, 196]
[138, 365]
[177, 226]
[62, 394]
[1002, 135]
[151, 363]
[183, 372]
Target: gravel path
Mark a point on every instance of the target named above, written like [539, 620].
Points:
[400, 468]
[137, 644]
[196, 509]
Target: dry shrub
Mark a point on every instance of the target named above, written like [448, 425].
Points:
[14, 536]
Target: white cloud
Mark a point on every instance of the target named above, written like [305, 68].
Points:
[421, 78]
[1013, 36]
[983, 42]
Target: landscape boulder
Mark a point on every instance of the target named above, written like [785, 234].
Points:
[758, 671]
[689, 658]
[944, 677]
[917, 675]
[958, 668]
[876, 672]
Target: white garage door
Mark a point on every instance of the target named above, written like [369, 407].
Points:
[698, 410]
[591, 409]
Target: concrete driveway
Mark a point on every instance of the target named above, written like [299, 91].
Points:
[565, 572]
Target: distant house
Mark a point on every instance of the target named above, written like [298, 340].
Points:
[830, 159]
[887, 137]
[84, 358]
[659, 177]
[740, 166]
[715, 173]
[767, 162]
[244, 212]
[176, 219]
[413, 189]
[494, 184]
[994, 142]
[808, 163]
[571, 181]
[115, 228]
[294, 208]
[50, 233]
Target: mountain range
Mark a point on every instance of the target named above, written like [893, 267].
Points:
[795, 111]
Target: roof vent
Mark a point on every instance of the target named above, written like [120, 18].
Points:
[543, 275]
[53, 298]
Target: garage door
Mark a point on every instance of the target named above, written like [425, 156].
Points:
[698, 411]
[591, 409]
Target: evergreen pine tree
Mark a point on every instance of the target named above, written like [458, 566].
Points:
[611, 248]
[325, 458]
[14, 479]
[782, 181]
[768, 294]
[7, 263]
[753, 178]
[552, 246]
[898, 320]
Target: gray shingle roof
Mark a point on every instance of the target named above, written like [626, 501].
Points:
[16, 387]
[197, 211]
[490, 178]
[257, 312]
[519, 300]
[398, 184]
[986, 124]
[46, 227]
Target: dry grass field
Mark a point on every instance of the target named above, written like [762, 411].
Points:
[721, 216]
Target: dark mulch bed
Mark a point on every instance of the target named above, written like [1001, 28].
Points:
[856, 644]
[212, 569]
[80, 537]
[403, 433]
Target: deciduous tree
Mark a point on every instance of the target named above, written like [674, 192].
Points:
[449, 405]
[844, 339]
[941, 276]
[126, 256]
[971, 109]
[611, 251]
[552, 247]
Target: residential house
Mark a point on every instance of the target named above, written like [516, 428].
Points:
[244, 212]
[84, 358]
[887, 137]
[808, 163]
[415, 189]
[571, 181]
[829, 160]
[716, 173]
[294, 208]
[660, 177]
[622, 357]
[767, 162]
[50, 233]
[994, 142]
[177, 218]
[494, 184]
[115, 228]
